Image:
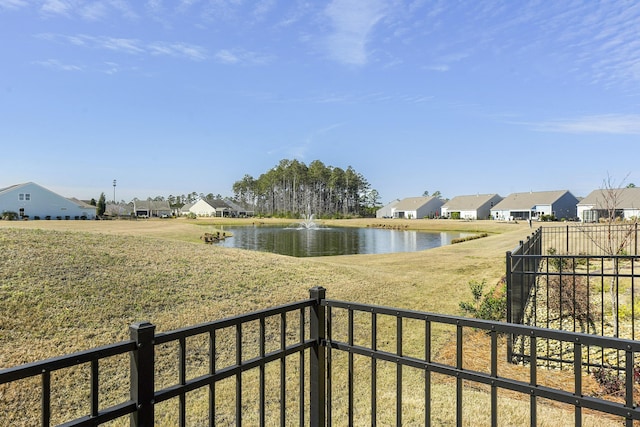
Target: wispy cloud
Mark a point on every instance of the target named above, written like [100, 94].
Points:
[195, 53]
[131, 46]
[624, 124]
[56, 7]
[241, 56]
[352, 22]
[13, 4]
[54, 64]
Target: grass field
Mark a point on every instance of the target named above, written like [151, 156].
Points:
[72, 285]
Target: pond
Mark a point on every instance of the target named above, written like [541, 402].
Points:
[327, 241]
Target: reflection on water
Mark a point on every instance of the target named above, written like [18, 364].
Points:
[334, 241]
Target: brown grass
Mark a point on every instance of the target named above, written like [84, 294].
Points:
[72, 285]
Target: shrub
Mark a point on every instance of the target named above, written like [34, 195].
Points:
[609, 380]
[9, 216]
[568, 296]
[465, 239]
[564, 263]
[491, 306]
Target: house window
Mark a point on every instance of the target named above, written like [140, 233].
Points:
[21, 196]
[27, 196]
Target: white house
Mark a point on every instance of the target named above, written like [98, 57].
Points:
[625, 202]
[470, 207]
[202, 208]
[534, 204]
[417, 208]
[30, 200]
[387, 210]
[210, 207]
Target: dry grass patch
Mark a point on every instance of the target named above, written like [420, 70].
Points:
[72, 285]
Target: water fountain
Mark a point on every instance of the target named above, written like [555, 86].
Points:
[307, 223]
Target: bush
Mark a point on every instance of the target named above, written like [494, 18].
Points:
[9, 216]
[466, 239]
[568, 296]
[491, 306]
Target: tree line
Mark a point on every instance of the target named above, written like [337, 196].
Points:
[292, 188]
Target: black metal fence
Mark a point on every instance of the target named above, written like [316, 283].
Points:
[575, 278]
[336, 363]
[618, 238]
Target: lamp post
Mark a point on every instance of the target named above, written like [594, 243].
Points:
[114, 191]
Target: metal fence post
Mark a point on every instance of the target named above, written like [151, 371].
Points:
[509, 308]
[142, 374]
[317, 363]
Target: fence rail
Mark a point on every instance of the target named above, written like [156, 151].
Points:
[592, 239]
[338, 355]
[581, 278]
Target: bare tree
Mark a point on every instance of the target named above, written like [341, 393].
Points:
[619, 232]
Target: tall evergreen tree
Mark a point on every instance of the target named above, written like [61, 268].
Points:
[292, 188]
[102, 205]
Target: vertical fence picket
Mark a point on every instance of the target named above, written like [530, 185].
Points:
[317, 363]
[239, 375]
[46, 399]
[283, 370]
[182, 380]
[374, 368]
[212, 384]
[302, 400]
[399, 370]
[262, 350]
[142, 373]
[427, 374]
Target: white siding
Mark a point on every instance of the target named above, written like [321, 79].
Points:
[37, 201]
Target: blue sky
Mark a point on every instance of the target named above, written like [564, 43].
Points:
[463, 97]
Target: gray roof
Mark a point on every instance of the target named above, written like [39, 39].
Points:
[218, 204]
[412, 203]
[625, 198]
[156, 205]
[526, 201]
[469, 202]
[186, 207]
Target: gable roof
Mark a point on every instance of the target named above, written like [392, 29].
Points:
[469, 202]
[161, 205]
[11, 187]
[412, 203]
[625, 198]
[217, 203]
[79, 203]
[526, 201]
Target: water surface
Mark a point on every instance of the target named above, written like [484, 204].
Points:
[302, 242]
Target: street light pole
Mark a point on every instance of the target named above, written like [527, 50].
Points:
[114, 191]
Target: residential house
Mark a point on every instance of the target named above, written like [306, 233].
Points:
[624, 201]
[237, 210]
[151, 208]
[417, 208]
[115, 210]
[534, 204]
[387, 210]
[32, 201]
[470, 207]
[202, 208]
[221, 207]
[185, 209]
[209, 207]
